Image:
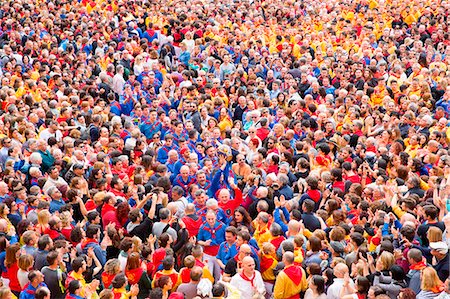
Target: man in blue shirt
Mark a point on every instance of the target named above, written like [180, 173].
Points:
[56, 203]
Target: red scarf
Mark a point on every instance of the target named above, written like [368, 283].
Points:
[134, 275]
[419, 266]
[107, 279]
[251, 280]
[87, 241]
[294, 273]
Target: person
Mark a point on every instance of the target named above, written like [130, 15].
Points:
[36, 281]
[249, 281]
[190, 289]
[54, 277]
[340, 272]
[316, 288]
[417, 264]
[430, 286]
[291, 281]
[439, 250]
[136, 274]
[210, 236]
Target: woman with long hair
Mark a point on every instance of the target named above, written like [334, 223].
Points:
[431, 286]
[137, 274]
[241, 218]
[12, 267]
[316, 288]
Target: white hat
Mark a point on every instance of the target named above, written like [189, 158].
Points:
[440, 246]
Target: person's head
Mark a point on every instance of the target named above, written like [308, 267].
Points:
[406, 293]
[112, 266]
[119, 281]
[385, 261]
[41, 293]
[35, 277]
[317, 284]
[164, 282]
[362, 284]
[429, 279]
[196, 274]
[248, 265]
[288, 258]
[414, 256]
[244, 251]
[133, 261]
[74, 287]
[79, 265]
[26, 262]
[340, 270]
[93, 231]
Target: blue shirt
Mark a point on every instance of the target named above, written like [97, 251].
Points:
[55, 205]
[226, 252]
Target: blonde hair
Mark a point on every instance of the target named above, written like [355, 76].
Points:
[5, 292]
[43, 217]
[112, 266]
[268, 248]
[25, 262]
[434, 234]
[387, 260]
[430, 279]
[65, 218]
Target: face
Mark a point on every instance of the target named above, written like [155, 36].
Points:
[238, 216]
[211, 219]
[248, 266]
[229, 237]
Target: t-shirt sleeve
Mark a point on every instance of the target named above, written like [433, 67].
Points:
[230, 268]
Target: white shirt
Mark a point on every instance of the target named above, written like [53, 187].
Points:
[118, 84]
[334, 291]
[246, 288]
[45, 135]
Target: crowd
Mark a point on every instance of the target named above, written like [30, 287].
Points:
[224, 149]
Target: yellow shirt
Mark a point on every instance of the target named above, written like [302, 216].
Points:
[285, 287]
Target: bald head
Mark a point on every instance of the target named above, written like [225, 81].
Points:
[293, 227]
[288, 258]
[340, 270]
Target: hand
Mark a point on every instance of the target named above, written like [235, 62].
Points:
[323, 255]
[276, 202]
[282, 201]
[370, 259]
[134, 290]
[207, 243]
[346, 279]
[94, 285]
[151, 239]
[90, 252]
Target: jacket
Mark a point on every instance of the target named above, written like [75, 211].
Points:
[427, 295]
[390, 286]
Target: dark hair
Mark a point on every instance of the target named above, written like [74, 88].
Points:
[74, 285]
[319, 282]
[77, 263]
[363, 284]
[162, 281]
[119, 280]
[92, 230]
[52, 256]
[218, 290]
[41, 293]
[43, 241]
